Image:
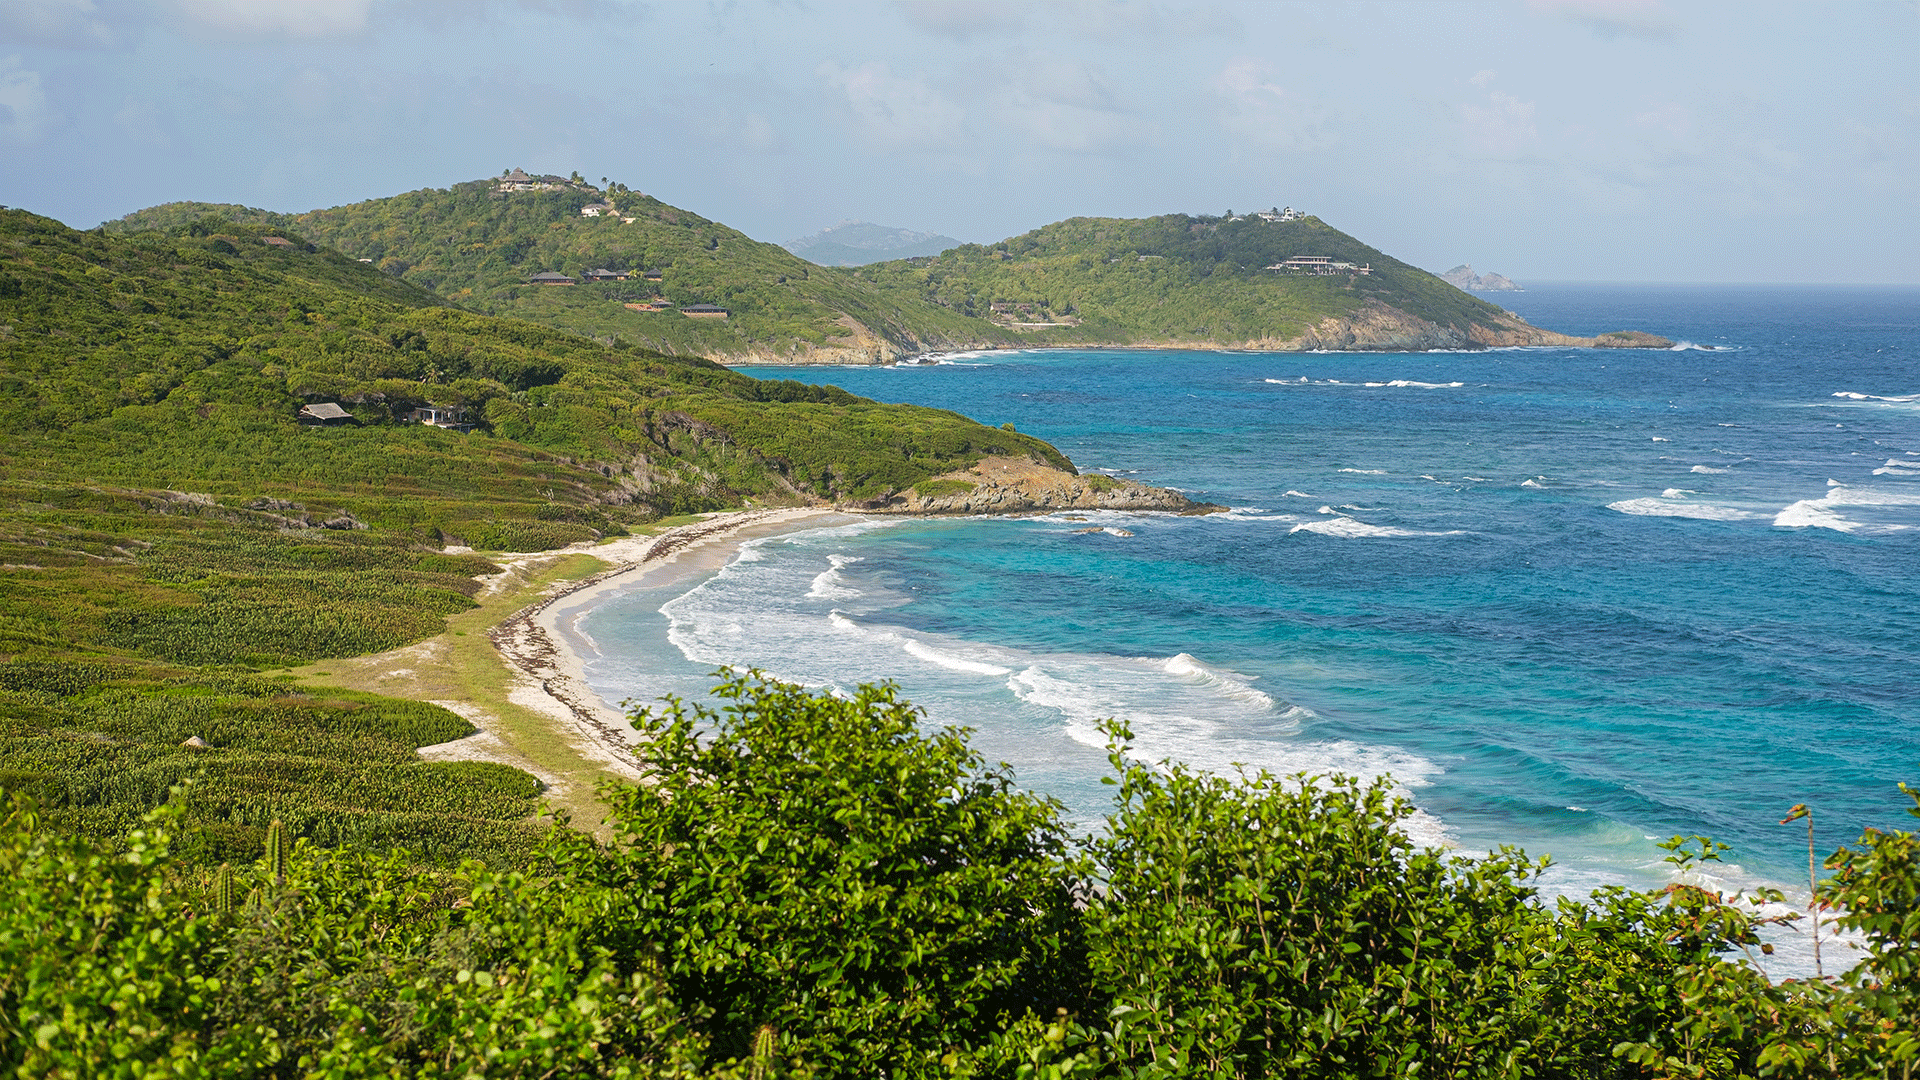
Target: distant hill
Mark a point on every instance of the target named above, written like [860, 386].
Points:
[1463, 277]
[683, 285]
[857, 243]
[1246, 282]
[478, 246]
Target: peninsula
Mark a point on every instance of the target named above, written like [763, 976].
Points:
[612, 263]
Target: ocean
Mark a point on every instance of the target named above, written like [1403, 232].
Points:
[1572, 600]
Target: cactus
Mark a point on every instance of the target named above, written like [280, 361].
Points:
[765, 1041]
[277, 852]
[223, 890]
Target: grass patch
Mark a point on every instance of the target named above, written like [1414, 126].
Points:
[934, 489]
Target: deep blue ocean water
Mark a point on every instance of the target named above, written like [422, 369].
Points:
[1573, 600]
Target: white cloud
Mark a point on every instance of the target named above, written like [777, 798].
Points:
[889, 109]
[1503, 124]
[24, 113]
[1259, 109]
[280, 18]
[1673, 118]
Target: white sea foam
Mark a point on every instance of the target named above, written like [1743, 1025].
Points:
[1361, 509]
[1325, 510]
[1350, 529]
[1298, 495]
[949, 661]
[1825, 512]
[1411, 384]
[1367, 472]
[1479, 479]
[1232, 684]
[1813, 513]
[1657, 438]
[1677, 493]
[1209, 722]
[1532, 484]
[1900, 399]
[829, 584]
[1899, 467]
[1707, 469]
[1665, 508]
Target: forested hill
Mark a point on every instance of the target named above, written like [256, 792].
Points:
[181, 358]
[479, 246]
[167, 521]
[1174, 280]
[1179, 280]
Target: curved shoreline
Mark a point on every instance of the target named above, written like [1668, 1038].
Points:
[550, 678]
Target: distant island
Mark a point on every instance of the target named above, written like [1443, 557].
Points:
[1463, 277]
[857, 243]
[615, 264]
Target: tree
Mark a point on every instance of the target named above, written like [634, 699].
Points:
[818, 865]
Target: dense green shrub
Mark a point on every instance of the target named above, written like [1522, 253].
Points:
[811, 886]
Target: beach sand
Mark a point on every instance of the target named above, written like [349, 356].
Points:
[550, 677]
[506, 668]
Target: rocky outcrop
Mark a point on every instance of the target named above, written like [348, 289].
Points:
[1463, 277]
[1005, 485]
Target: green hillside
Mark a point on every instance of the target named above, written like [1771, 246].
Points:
[1171, 280]
[168, 527]
[1175, 280]
[478, 247]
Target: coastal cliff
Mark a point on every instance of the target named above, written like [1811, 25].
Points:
[1008, 485]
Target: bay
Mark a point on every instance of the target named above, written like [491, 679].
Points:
[1574, 600]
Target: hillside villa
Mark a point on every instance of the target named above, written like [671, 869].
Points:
[549, 278]
[1320, 266]
[441, 416]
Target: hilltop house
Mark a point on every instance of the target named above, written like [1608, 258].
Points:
[1277, 214]
[704, 311]
[518, 180]
[326, 414]
[595, 209]
[549, 278]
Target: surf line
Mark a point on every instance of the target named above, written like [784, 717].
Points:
[553, 677]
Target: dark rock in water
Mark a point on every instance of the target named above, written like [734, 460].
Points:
[1631, 339]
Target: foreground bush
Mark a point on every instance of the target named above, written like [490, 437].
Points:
[812, 886]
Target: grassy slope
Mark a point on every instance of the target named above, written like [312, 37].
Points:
[1173, 279]
[478, 248]
[135, 369]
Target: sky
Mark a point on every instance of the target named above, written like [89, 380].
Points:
[1596, 140]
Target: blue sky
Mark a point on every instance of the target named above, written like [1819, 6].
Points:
[1625, 140]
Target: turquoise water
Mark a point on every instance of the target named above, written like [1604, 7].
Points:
[1573, 600]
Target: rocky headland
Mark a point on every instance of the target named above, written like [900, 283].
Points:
[1008, 485]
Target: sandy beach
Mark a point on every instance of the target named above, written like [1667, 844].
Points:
[549, 677]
